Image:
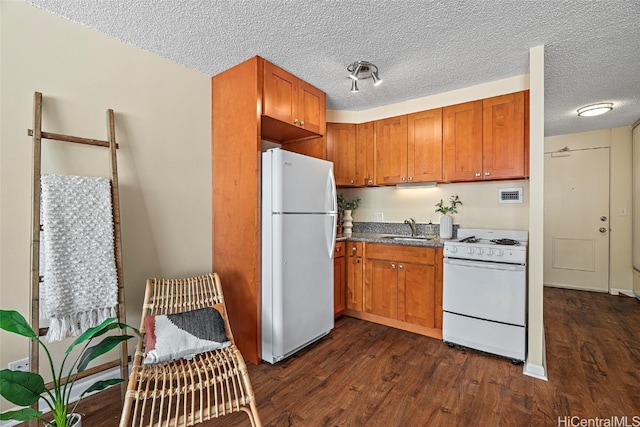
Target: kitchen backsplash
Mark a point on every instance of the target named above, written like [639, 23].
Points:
[395, 228]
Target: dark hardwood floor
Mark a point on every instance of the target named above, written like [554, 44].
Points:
[364, 374]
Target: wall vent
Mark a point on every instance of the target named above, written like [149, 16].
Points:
[510, 195]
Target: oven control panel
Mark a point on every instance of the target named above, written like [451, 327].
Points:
[509, 254]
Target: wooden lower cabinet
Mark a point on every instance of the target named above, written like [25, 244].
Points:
[402, 287]
[416, 294]
[339, 276]
[381, 288]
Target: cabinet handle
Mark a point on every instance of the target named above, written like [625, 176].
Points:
[354, 248]
[401, 266]
[393, 266]
[352, 181]
[358, 261]
[487, 173]
[295, 121]
[477, 173]
[410, 178]
[370, 181]
[302, 123]
[404, 179]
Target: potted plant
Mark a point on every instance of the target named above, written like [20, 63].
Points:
[446, 220]
[26, 388]
[345, 209]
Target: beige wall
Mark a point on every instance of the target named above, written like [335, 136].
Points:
[162, 115]
[620, 195]
[480, 208]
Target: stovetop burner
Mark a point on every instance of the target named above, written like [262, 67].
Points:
[470, 239]
[507, 242]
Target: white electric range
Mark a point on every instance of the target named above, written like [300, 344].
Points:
[485, 291]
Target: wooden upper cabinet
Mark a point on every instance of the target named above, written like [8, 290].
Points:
[503, 136]
[391, 150]
[462, 139]
[424, 146]
[342, 151]
[365, 170]
[311, 108]
[289, 100]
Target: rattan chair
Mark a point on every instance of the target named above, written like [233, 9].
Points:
[187, 392]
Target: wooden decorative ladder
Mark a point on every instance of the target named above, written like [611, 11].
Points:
[38, 135]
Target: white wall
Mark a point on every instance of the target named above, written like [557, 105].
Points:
[619, 141]
[162, 115]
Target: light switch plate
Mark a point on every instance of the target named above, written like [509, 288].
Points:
[377, 217]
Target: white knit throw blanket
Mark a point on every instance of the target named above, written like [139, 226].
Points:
[80, 287]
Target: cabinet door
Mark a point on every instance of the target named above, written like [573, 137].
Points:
[462, 135]
[391, 150]
[424, 146]
[311, 108]
[438, 290]
[280, 94]
[355, 283]
[416, 294]
[365, 171]
[381, 288]
[503, 136]
[342, 151]
[339, 276]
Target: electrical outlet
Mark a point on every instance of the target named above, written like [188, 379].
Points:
[19, 365]
[377, 217]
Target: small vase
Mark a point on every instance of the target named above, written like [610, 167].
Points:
[446, 227]
[347, 222]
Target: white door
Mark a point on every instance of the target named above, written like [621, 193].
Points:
[576, 219]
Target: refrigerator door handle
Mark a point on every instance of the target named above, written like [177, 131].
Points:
[331, 193]
[332, 222]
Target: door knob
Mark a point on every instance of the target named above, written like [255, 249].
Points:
[602, 229]
[603, 218]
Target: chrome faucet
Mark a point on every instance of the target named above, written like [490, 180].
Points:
[412, 224]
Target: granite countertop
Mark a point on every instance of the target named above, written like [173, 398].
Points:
[384, 238]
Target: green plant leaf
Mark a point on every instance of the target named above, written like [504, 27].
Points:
[21, 388]
[101, 385]
[99, 349]
[96, 331]
[24, 414]
[12, 321]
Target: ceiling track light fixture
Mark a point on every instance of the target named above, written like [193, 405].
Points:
[362, 70]
[595, 109]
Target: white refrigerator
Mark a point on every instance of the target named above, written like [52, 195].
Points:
[299, 216]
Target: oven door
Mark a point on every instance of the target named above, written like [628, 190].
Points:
[485, 290]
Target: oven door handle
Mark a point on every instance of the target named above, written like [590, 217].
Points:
[485, 265]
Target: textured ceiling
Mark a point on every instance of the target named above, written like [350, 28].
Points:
[592, 48]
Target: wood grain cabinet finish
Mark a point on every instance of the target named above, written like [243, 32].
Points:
[400, 283]
[503, 141]
[350, 148]
[424, 146]
[486, 139]
[339, 277]
[391, 151]
[342, 150]
[462, 135]
[365, 169]
[288, 99]
[355, 276]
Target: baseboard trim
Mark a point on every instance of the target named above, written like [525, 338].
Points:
[78, 388]
[535, 370]
[626, 292]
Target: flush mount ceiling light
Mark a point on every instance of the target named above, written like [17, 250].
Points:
[595, 109]
[362, 70]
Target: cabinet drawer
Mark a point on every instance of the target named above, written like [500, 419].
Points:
[414, 254]
[355, 249]
[338, 251]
